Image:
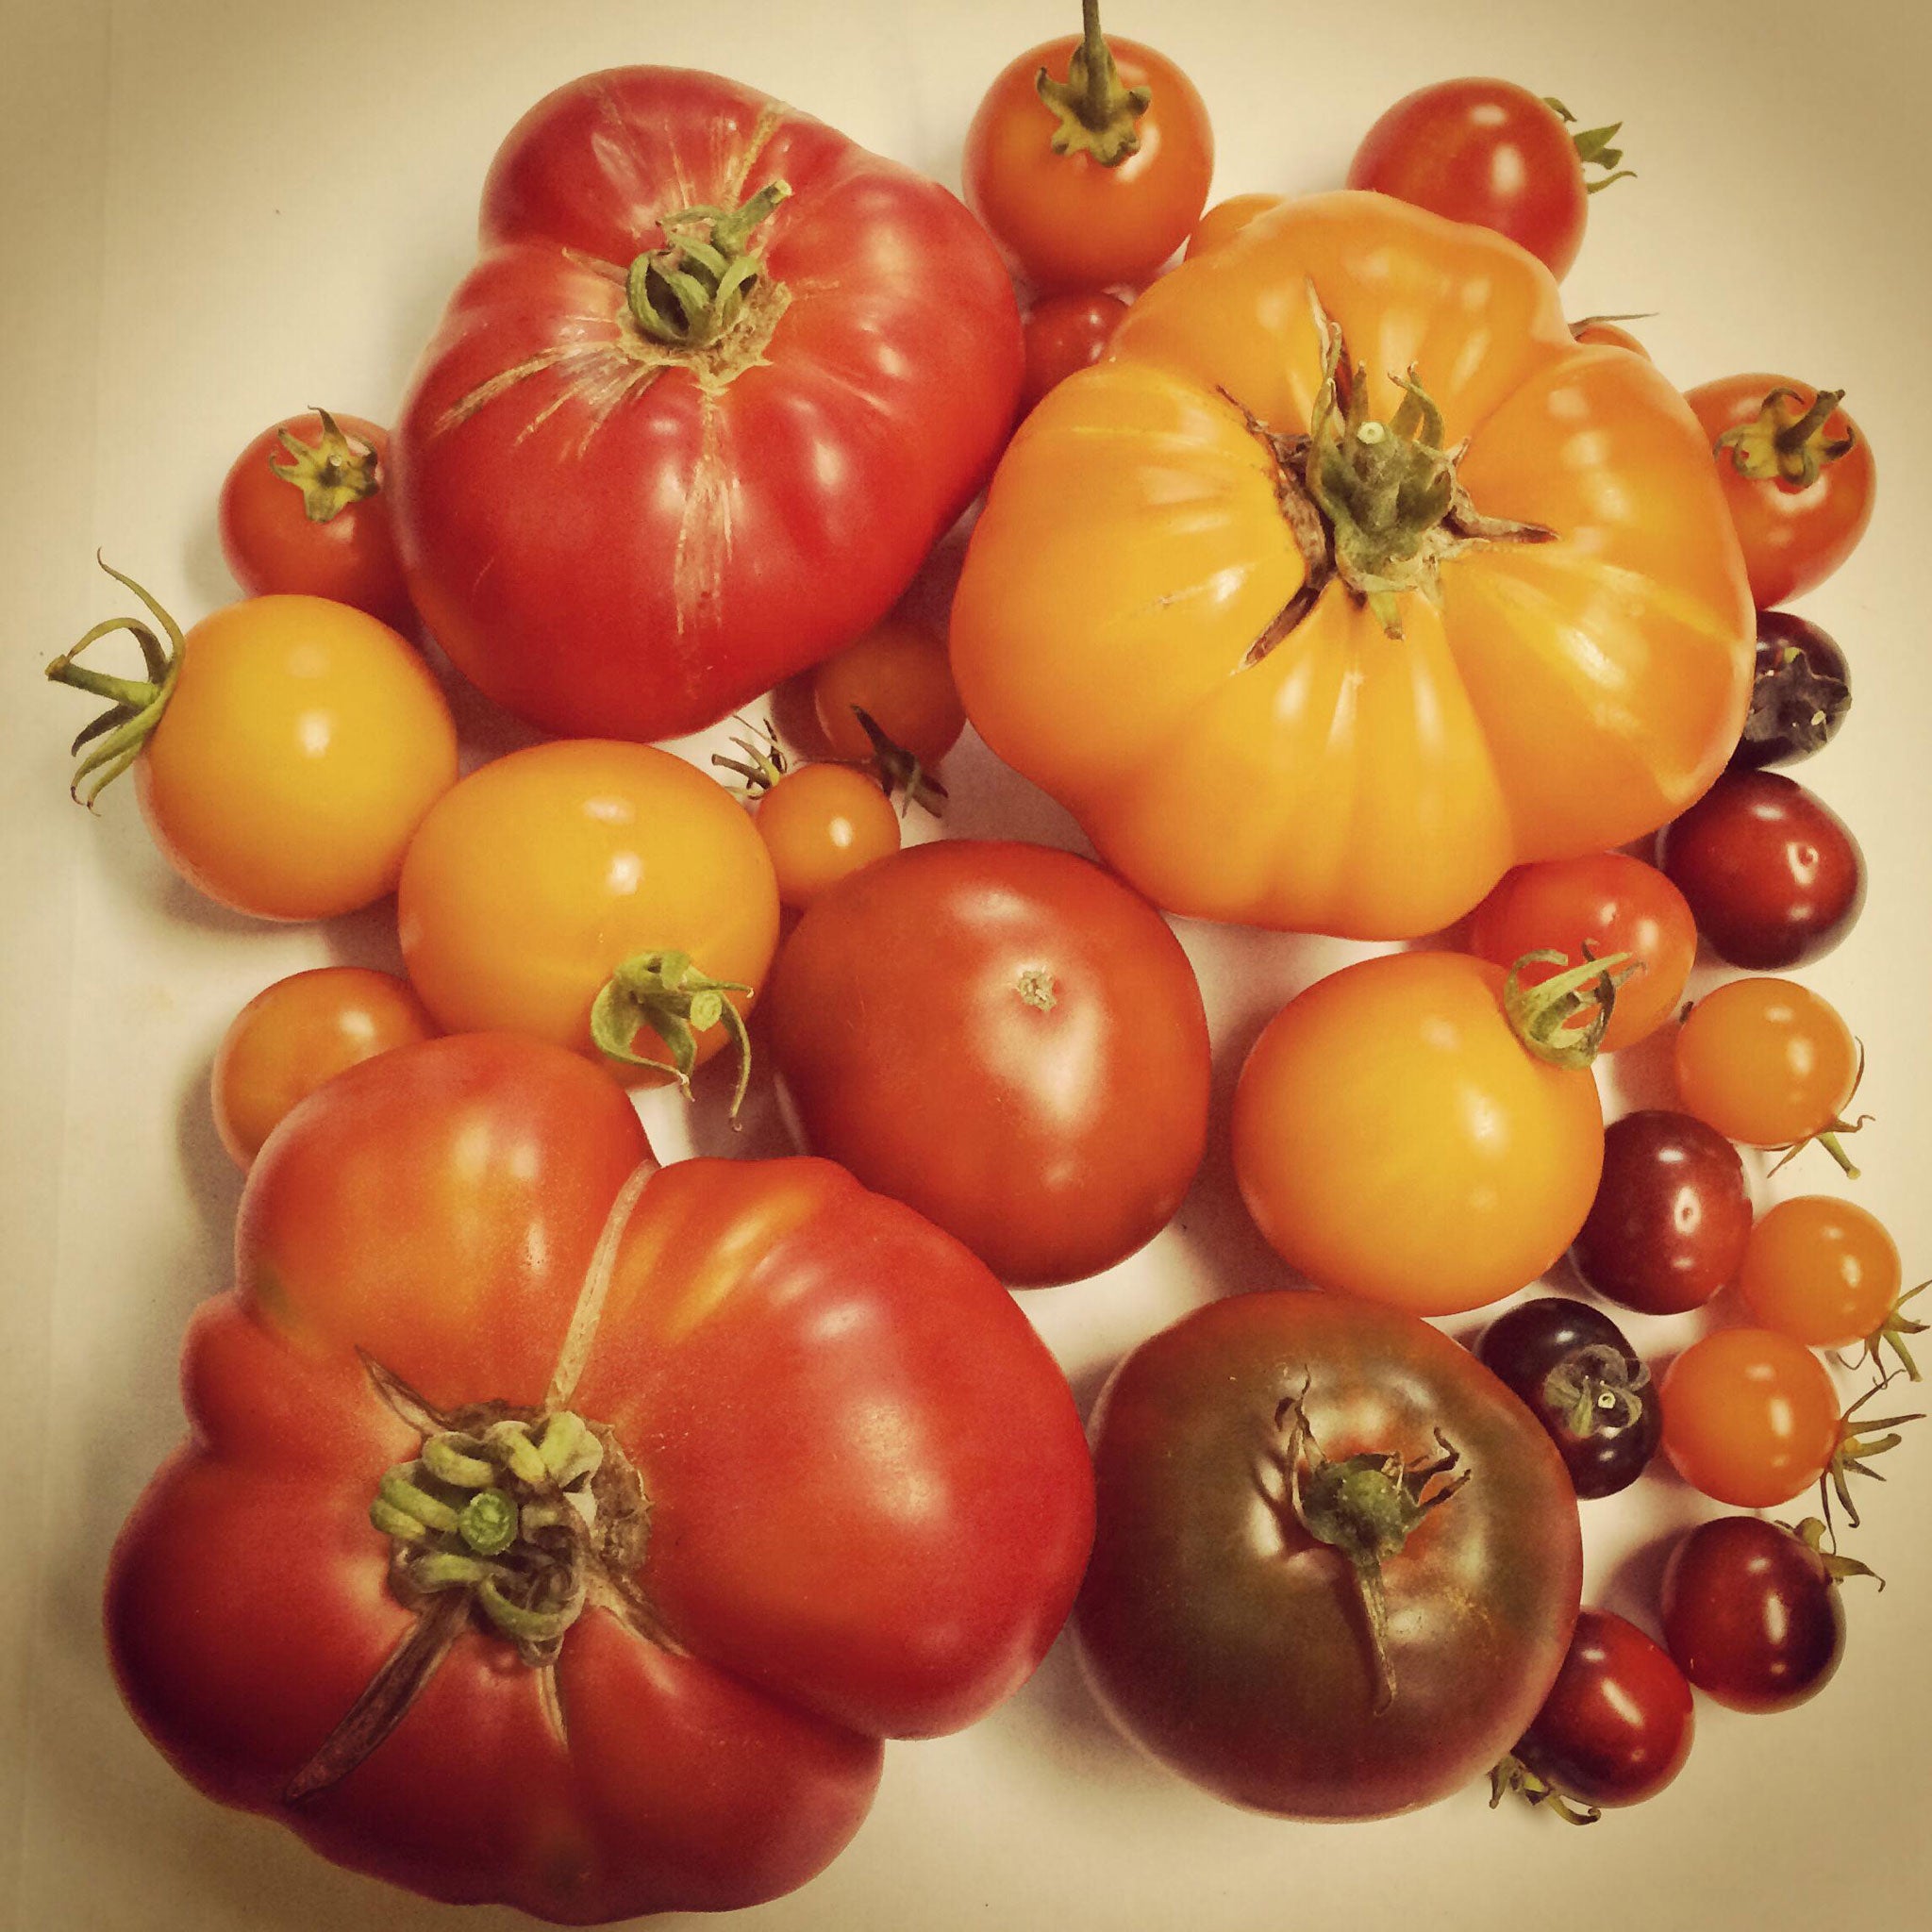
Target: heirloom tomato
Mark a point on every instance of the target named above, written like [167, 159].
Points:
[1189, 613]
[558, 1530]
[718, 383]
[1336, 1563]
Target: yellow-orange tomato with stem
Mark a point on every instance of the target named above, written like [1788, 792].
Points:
[1822, 1271]
[1395, 1138]
[1751, 1416]
[899, 676]
[298, 1033]
[821, 823]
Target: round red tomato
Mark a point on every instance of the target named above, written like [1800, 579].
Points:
[1005, 1037]
[718, 383]
[1221, 1624]
[1089, 160]
[303, 510]
[1797, 473]
[1065, 333]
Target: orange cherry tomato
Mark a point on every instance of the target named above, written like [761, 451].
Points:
[1822, 1271]
[898, 674]
[1395, 1139]
[1226, 218]
[1767, 1062]
[1750, 1417]
[821, 822]
[544, 873]
[296, 1034]
[1612, 904]
[1065, 333]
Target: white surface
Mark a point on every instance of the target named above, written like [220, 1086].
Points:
[216, 212]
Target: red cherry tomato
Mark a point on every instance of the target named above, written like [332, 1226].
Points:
[899, 676]
[1750, 1417]
[1065, 333]
[1602, 332]
[821, 823]
[1822, 1271]
[1800, 490]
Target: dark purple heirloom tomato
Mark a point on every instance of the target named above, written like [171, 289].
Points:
[1800, 693]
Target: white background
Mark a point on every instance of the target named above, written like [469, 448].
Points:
[214, 212]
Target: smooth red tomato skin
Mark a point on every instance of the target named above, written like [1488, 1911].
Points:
[270, 542]
[1750, 1614]
[1487, 152]
[1766, 1062]
[1793, 538]
[1230, 1646]
[1822, 1271]
[1609, 901]
[1065, 333]
[1065, 220]
[1772, 873]
[1750, 1417]
[1008, 1039]
[613, 552]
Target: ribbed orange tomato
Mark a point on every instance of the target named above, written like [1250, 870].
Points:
[1347, 580]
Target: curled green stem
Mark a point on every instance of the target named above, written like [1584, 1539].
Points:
[687, 292]
[1785, 442]
[662, 992]
[331, 473]
[1563, 1019]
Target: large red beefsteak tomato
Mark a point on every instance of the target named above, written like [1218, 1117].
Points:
[719, 381]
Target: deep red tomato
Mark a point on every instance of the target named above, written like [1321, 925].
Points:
[695, 419]
[1617, 1725]
[1491, 153]
[1223, 1635]
[1609, 903]
[821, 823]
[1005, 1037]
[1797, 473]
[1801, 690]
[1752, 1614]
[1771, 873]
[303, 510]
[1065, 333]
[1750, 1417]
[1089, 160]
[622, 1512]
[1822, 1271]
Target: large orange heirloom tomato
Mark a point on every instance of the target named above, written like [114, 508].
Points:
[1348, 580]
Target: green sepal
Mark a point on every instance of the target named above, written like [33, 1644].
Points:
[664, 992]
[1095, 114]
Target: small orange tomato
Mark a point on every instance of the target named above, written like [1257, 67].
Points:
[296, 1034]
[1226, 218]
[1394, 1138]
[899, 676]
[1822, 1271]
[1750, 1417]
[821, 822]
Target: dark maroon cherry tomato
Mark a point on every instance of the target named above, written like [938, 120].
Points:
[1584, 1383]
[1800, 693]
[1616, 1726]
[1772, 872]
[1750, 1614]
[1670, 1218]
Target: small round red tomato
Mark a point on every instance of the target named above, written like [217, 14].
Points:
[1797, 473]
[821, 822]
[1221, 1622]
[1822, 1271]
[284, 750]
[1801, 690]
[1768, 1062]
[1006, 1039]
[1771, 873]
[303, 509]
[1671, 1214]
[899, 676]
[296, 1034]
[1089, 160]
[1750, 1417]
[1617, 1725]
[1395, 1138]
[1609, 903]
[1606, 332]
[1226, 218]
[1752, 1614]
[1065, 333]
[1491, 153]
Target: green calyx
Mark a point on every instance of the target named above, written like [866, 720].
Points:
[1859, 1439]
[135, 705]
[331, 473]
[1593, 150]
[1891, 1333]
[1563, 1019]
[1513, 1778]
[662, 992]
[1095, 114]
[1596, 1388]
[1785, 442]
[687, 294]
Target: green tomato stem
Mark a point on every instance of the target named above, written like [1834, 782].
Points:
[1095, 114]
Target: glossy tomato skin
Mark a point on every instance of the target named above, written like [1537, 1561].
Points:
[1230, 1646]
[1065, 333]
[1606, 901]
[1005, 1038]
[1800, 693]
[1226, 218]
[613, 539]
[1750, 1417]
[1482, 151]
[753, 1318]
[1671, 1215]
[1617, 1725]
[1066, 222]
[821, 823]
[270, 542]
[302, 747]
[1766, 1062]
[1752, 1614]
[1394, 1139]
[1772, 873]
[1822, 1271]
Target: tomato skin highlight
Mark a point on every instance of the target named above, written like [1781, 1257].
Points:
[1750, 1417]
[821, 823]
[1822, 1271]
[1231, 1647]
[1766, 1062]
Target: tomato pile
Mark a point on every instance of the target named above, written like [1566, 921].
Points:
[1336, 584]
